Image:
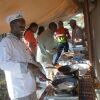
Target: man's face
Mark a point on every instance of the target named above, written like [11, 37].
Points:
[34, 29]
[19, 27]
[54, 28]
[73, 25]
[60, 24]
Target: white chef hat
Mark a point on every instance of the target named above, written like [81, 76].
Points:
[13, 17]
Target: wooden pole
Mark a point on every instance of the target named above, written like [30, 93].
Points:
[88, 29]
[89, 34]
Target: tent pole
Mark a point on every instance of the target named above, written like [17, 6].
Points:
[88, 29]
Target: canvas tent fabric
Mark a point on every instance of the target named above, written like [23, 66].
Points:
[40, 11]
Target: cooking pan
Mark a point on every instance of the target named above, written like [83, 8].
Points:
[66, 70]
[68, 83]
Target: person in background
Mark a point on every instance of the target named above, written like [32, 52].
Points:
[17, 63]
[62, 35]
[47, 48]
[30, 39]
[40, 30]
[77, 33]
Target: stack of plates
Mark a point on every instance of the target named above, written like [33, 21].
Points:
[79, 48]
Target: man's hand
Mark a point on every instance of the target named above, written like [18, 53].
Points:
[36, 71]
[42, 77]
[33, 68]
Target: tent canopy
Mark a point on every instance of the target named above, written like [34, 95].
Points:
[40, 11]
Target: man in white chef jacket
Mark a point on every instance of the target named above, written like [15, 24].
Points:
[18, 65]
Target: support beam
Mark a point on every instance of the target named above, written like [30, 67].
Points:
[88, 29]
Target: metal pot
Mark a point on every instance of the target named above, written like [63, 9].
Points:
[66, 70]
[68, 83]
